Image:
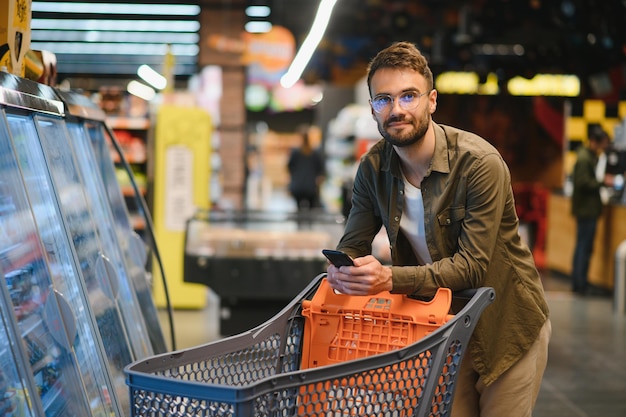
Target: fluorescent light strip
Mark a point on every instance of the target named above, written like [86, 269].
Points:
[108, 36]
[114, 48]
[309, 45]
[116, 8]
[70, 68]
[117, 25]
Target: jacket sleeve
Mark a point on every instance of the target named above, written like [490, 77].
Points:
[364, 220]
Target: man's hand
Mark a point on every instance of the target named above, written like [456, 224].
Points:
[367, 277]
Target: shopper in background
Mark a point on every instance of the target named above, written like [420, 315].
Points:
[306, 171]
[444, 196]
[587, 203]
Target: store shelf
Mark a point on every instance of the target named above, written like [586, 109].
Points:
[138, 222]
[128, 123]
[131, 126]
[129, 191]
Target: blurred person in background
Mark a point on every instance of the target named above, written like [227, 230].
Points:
[306, 172]
[587, 203]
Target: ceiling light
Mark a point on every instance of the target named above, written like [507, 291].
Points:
[114, 36]
[117, 8]
[114, 48]
[152, 77]
[258, 11]
[309, 45]
[258, 27]
[117, 25]
[141, 90]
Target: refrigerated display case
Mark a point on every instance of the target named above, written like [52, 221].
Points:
[256, 261]
[64, 269]
[91, 143]
[14, 378]
[44, 138]
[54, 338]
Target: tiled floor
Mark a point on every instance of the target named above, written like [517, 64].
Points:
[586, 374]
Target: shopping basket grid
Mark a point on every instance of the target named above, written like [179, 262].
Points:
[257, 373]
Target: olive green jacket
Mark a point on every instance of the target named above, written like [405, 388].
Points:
[472, 235]
[586, 201]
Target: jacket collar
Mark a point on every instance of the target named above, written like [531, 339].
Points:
[441, 157]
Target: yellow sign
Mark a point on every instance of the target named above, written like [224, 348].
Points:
[15, 18]
[560, 85]
[466, 83]
[181, 186]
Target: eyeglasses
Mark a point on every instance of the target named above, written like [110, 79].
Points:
[407, 101]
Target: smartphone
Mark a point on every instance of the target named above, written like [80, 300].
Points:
[337, 257]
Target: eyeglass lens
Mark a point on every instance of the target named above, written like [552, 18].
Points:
[407, 101]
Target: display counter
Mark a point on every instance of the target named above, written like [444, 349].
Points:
[256, 262]
[561, 238]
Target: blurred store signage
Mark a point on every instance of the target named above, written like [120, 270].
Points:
[545, 85]
[466, 83]
[268, 56]
[560, 85]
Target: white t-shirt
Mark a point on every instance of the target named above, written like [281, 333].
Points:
[412, 222]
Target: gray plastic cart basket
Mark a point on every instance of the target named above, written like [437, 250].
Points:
[256, 373]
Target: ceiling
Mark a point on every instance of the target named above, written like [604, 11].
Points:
[105, 40]
[580, 37]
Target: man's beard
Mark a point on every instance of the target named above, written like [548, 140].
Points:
[404, 139]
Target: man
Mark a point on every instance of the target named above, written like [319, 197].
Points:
[586, 204]
[444, 196]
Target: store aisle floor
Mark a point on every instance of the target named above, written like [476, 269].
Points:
[586, 373]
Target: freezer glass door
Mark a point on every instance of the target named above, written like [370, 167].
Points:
[87, 288]
[89, 217]
[104, 189]
[53, 339]
[14, 391]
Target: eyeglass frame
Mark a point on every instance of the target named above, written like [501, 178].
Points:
[393, 99]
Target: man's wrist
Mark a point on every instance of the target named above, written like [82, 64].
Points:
[389, 278]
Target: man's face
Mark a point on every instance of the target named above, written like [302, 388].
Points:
[399, 123]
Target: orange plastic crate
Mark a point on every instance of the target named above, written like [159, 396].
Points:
[342, 327]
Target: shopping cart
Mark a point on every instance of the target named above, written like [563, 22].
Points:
[258, 372]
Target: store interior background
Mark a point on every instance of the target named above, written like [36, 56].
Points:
[248, 145]
[234, 76]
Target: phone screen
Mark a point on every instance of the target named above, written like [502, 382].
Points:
[338, 258]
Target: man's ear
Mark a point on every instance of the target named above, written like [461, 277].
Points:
[432, 101]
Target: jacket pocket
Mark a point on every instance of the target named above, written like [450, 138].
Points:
[449, 222]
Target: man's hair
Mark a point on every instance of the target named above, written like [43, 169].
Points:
[400, 55]
[597, 134]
